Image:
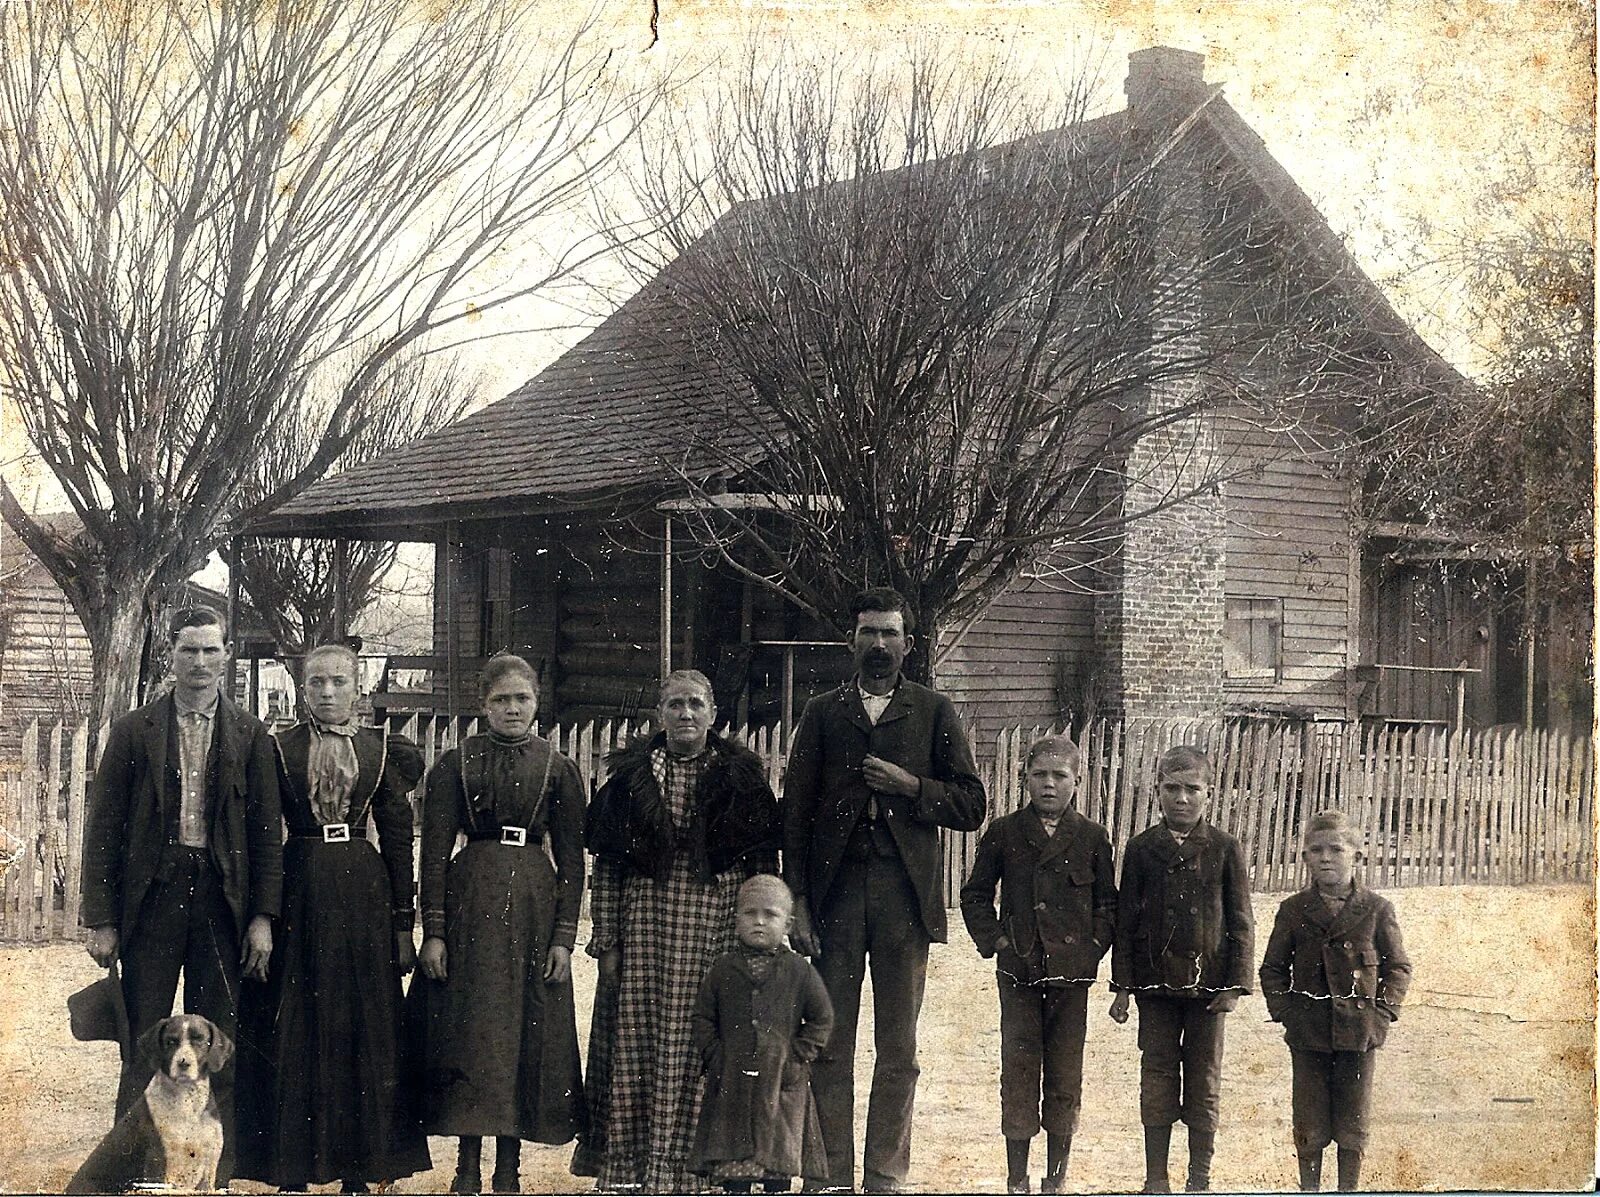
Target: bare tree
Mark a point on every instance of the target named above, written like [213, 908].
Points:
[289, 580]
[209, 208]
[950, 334]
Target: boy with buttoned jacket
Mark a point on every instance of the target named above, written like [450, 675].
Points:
[1334, 975]
[1185, 942]
[1058, 900]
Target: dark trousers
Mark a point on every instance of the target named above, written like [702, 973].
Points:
[1041, 1038]
[1180, 1061]
[185, 925]
[1332, 1094]
[872, 919]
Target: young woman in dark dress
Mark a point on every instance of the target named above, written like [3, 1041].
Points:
[500, 919]
[319, 1044]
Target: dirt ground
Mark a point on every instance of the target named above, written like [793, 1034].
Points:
[1487, 1081]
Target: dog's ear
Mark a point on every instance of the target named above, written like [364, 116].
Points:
[149, 1047]
[221, 1050]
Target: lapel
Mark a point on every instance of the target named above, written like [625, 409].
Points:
[1032, 830]
[1316, 910]
[900, 705]
[1067, 831]
[294, 749]
[1162, 845]
[228, 745]
[1194, 843]
[371, 753]
[1356, 908]
[158, 728]
[850, 701]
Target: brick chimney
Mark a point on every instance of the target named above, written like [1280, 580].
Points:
[1162, 80]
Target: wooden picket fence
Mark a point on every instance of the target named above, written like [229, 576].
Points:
[1437, 807]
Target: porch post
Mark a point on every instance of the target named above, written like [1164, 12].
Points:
[446, 544]
[234, 548]
[341, 588]
[666, 598]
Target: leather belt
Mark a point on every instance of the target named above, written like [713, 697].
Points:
[515, 836]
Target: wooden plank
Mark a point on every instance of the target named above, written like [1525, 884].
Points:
[1583, 822]
[52, 839]
[28, 832]
[77, 783]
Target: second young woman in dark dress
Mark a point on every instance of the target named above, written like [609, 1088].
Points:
[500, 920]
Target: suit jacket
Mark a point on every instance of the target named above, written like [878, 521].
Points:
[388, 769]
[1335, 981]
[1184, 923]
[1058, 896]
[133, 816]
[825, 795]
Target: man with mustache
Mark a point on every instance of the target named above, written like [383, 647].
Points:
[877, 767]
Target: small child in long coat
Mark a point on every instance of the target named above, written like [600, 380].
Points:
[1058, 902]
[1334, 975]
[761, 1017]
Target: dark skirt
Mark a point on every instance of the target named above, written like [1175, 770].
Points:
[320, 1042]
[497, 1045]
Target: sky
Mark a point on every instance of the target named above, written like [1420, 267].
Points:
[1397, 117]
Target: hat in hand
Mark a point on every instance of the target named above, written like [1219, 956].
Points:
[97, 1011]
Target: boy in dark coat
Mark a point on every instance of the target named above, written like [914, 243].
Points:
[1334, 975]
[761, 1017]
[1184, 945]
[1058, 902]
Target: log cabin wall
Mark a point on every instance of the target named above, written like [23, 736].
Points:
[1291, 547]
[607, 608]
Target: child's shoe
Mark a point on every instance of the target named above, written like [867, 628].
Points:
[1311, 1172]
[1056, 1182]
[1018, 1184]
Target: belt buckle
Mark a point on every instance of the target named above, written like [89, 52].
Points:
[336, 833]
[514, 835]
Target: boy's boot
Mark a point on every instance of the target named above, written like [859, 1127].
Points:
[1157, 1144]
[507, 1165]
[1017, 1165]
[1311, 1172]
[1349, 1170]
[1202, 1143]
[469, 1177]
[1055, 1173]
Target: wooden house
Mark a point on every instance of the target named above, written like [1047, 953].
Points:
[553, 510]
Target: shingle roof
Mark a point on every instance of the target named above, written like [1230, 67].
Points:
[622, 408]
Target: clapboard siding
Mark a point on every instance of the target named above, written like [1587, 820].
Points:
[1289, 538]
[1016, 662]
[45, 665]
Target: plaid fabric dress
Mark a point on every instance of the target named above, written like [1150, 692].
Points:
[671, 932]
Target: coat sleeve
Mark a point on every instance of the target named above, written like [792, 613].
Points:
[264, 824]
[802, 781]
[103, 829]
[441, 819]
[816, 1016]
[953, 797]
[1130, 897]
[1105, 894]
[391, 811]
[1394, 966]
[566, 845]
[1238, 920]
[703, 1019]
[977, 894]
[1275, 965]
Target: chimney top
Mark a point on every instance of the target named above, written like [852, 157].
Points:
[1161, 79]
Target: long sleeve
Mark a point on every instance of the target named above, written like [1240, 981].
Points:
[1276, 964]
[566, 844]
[978, 892]
[1238, 920]
[1394, 966]
[264, 825]
[1130, 899]
[954, 796]
[703, 1028]
[391, 811]
[103, 830]
[816, 1016]
[605, 904]
[801, 785]
[442, 818]
[1105, 894]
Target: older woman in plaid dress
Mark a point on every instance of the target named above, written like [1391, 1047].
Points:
[683, 820]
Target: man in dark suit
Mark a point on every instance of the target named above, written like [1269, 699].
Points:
[877, 767]
[183, 852]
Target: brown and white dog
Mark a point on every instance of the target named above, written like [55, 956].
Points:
[172, 1135]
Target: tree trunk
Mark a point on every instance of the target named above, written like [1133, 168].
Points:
[117, 642]
[918, 666]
